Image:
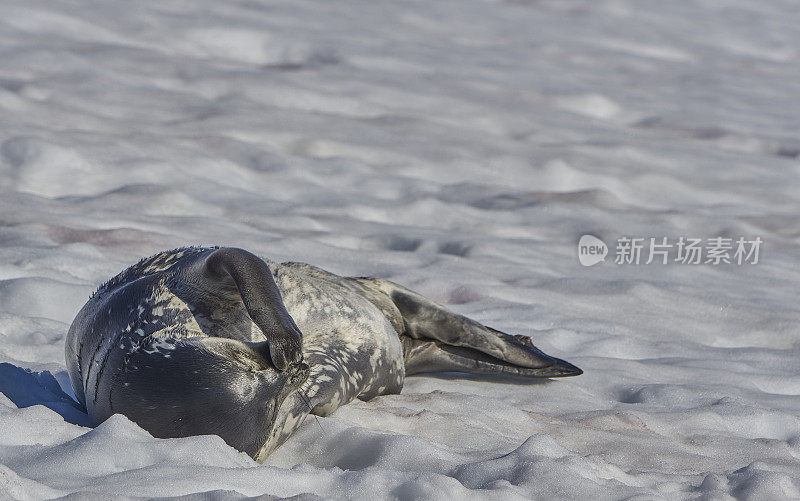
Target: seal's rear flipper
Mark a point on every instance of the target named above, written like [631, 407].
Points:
[441, 340]
[434, 356]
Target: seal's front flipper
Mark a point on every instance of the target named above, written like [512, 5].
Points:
[442, 340]
[240, 274]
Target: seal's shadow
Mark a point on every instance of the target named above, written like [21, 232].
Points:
[26, 388]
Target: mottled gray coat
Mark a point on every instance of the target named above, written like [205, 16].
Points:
[218, 341]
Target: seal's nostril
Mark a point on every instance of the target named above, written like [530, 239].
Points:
[298, 368]
[298, 372]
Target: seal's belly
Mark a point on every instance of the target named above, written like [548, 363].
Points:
[351, 347]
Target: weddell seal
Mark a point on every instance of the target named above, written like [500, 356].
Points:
[200, 341]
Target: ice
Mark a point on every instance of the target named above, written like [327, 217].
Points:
[460, 148]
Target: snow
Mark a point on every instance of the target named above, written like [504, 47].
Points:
[460, 148]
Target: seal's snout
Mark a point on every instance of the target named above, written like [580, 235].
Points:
[298, 372]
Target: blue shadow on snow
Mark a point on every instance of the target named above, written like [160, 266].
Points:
[26, 388]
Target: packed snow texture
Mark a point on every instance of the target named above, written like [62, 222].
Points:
[460, 148]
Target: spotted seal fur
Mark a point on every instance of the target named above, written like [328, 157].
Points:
[219, 341]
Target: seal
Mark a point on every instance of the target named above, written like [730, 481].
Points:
[218, 341]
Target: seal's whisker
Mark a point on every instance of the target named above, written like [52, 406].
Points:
[307, 401]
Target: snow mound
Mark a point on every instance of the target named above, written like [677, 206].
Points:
[460, 148]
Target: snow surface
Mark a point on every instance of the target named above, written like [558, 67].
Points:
[458, 147]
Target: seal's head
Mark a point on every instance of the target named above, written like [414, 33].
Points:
[199, 385]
